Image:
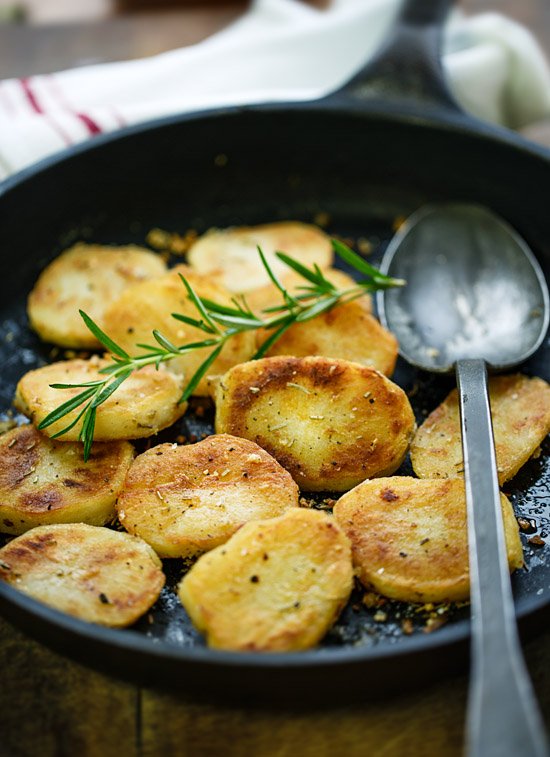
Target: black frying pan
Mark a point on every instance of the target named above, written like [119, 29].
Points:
[389, 141]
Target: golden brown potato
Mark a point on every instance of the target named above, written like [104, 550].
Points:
[348, 332]
[43, 481]
[268, 295]
[86, 277]
[277, 585]
[132, 317]
[187, 500]
[521, 420]
[330, 423]
[141, 406]
[409, 537]
[232, 254]
[93, 573]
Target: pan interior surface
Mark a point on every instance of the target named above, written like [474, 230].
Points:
[358, 177]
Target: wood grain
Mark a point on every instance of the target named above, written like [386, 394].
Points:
[52, 707]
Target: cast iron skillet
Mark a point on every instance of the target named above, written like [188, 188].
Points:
[389, 141]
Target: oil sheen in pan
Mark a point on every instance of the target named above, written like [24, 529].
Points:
[367, 620]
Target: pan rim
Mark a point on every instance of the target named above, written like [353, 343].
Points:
[133, 641]
[405, 114]
[119, 639]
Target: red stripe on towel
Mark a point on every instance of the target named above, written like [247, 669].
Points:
[89, 123]
[29, 94]
[37, 108]
[56, 91]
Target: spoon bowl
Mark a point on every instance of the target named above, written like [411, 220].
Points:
[474, 290]
[476, 297]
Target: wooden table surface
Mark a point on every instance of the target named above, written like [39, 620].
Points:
[52, 707]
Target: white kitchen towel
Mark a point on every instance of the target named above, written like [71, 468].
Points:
[279, 50]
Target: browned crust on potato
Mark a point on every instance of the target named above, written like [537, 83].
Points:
[185, 500]
[331, 423]
[520, 408]
[277, 585]
[409, 537]
[44, 481]
[93, 573]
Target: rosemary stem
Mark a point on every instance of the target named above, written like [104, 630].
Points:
[219, 322]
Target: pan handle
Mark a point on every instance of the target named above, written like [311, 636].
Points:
[407, 69]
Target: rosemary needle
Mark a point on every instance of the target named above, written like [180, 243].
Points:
[218, 323]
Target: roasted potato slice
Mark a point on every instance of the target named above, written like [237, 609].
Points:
[96, 574]
[232, 254]
[347, 331]
[131, 319]
[277, 585]
[409, 537]
[145, 403]
[331, 423]
[520, 409]
[86, 277]
[184, 500]
[268, 295]
[43, 481]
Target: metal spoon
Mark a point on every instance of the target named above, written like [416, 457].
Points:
[476, 296]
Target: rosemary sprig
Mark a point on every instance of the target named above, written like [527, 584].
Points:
[219, 323]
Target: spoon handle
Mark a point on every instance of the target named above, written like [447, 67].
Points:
[503, 717]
